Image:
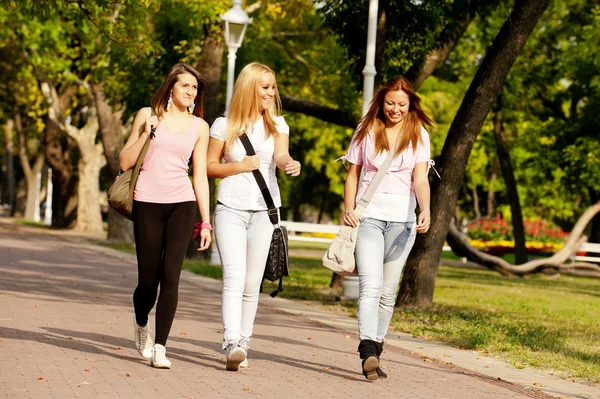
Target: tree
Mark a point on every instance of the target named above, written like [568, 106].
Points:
[418, 281]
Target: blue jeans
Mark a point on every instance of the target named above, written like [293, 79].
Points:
[381, 252]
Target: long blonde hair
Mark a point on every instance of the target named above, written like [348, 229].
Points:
[245, 104]
[375, 118]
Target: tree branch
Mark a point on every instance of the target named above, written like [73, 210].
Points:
[421, 71]
[461, 247]
[326, 114]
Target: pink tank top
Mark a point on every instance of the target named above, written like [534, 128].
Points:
[164, 174]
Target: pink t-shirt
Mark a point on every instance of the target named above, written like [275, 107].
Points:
[164, 174]
[394, 199]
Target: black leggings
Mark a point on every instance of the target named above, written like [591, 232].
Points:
[162, 233]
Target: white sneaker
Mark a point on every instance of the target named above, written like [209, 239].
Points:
[159, 357]
[244, 364]
[235, 356]
[142, 339]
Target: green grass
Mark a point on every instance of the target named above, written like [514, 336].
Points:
[539, 321]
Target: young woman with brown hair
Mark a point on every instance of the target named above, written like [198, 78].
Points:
[387, 230]
[165, 200]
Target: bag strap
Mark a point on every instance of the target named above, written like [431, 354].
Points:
[138, 165]
[273, 215]
[366, 198]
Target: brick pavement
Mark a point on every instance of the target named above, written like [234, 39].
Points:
[65, 332]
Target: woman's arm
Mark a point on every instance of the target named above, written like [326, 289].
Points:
[137, 137]
[200, 180]
[421, 186]
[282, 157]
[217, 169]
[350, 190]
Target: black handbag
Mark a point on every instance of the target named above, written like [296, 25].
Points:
[277, 266]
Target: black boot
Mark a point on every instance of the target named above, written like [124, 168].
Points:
[370, 361]
[380, 372]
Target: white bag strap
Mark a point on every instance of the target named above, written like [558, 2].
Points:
[366, 198]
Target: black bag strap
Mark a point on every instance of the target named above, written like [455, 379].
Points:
[273, 215]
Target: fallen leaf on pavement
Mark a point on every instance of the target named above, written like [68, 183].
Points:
[347, 336]
[183, 333]
[537, 384]
[40, 379]
[246, 389]
[127, 375]
[84, 383]
[87, 369]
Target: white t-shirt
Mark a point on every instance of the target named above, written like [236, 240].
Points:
[240, 191]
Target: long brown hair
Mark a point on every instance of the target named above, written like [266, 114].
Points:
[245, 105]
[160, 98]
[375, 118]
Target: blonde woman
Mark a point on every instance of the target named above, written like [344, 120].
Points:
[242, 227]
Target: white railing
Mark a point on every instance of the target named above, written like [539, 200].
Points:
[294, 228]
[588, 247]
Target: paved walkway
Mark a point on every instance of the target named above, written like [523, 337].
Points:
[65, 332]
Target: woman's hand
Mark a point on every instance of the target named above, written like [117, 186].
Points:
[424, 222]
[250, 163]
[293, 168]
[205, 239]
[151, 123]
[350, 219]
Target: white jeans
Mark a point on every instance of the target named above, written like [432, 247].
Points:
[381, 252]
[243, 240]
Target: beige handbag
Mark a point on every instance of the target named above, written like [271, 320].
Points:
[339, 257]
[120, 193]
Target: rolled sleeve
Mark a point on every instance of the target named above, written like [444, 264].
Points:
[218, 130]
[423, 148]
[354, 153]
[282, 126]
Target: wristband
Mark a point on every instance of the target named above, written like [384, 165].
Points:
[199, 226]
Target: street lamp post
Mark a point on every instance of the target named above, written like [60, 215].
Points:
[235, 23]
[350, 282]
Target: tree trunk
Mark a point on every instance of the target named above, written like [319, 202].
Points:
[209, 65]
[59, 151]
[33, 188]
[476, 203]
[491, 195]
[418, 281]
[89, 216]
[8, 169]
[113, 134]
[381, 41]
[595, 224]
[32, 173]
[337, 281]
[511, 189]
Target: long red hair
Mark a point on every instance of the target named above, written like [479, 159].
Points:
[375, 118]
